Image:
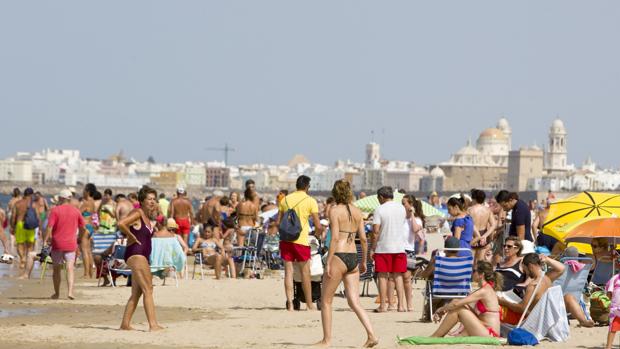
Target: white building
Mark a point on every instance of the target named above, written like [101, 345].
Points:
[556, 156]
[15, 170]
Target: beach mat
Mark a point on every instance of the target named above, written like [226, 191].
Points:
[417, 340]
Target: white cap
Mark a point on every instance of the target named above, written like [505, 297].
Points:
[180, 190]
[528, 247]
[65, 194]
[218, 193]
[324, 222]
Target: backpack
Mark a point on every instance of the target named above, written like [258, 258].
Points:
[30, 219]
[290, 225]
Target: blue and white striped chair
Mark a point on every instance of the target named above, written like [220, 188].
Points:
[451, 278]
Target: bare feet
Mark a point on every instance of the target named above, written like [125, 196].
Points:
[71, 297]
[310, 307]
[55, 296]
[155, 328]
[410, 310]
[371, 342]
[126, 328]
[23, 277]
[587, 323]
[289, 306]
[380, 310]
[322, 344]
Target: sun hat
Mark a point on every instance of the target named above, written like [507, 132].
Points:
[171, 224]
[65, 194]
[528, 247]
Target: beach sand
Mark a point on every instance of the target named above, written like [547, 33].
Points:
[202, 313]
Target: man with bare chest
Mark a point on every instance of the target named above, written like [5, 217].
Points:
[182, 212]
[484, 223]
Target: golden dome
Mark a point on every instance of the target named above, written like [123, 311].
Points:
[492, 133]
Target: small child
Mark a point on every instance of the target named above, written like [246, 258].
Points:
[613, 291]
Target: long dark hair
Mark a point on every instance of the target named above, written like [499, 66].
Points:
[486, 269]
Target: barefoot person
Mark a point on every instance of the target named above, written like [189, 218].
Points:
[88, 209]
[137, 228]
[484, 222]
[388, 247]
[24, 234]
[6, 256]
[182, 212]
[478, 312]
[342, 264]
[247, 214]
[64, 220]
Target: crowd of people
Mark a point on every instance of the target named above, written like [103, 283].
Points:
[514, 262]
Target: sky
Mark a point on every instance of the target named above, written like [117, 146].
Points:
[277, 78]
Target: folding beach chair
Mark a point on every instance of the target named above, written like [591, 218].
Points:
[452, 277]
[548, 319]
[603, 271]
[198, 260]
[251, 251]
[102, 242]
[574, 283]
[368, 276]
[116, 263]
[167, 255]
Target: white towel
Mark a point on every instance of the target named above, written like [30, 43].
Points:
[548, 319]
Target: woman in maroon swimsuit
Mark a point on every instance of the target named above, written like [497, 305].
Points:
[137, 227]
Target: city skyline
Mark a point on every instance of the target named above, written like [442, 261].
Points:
[270, 82]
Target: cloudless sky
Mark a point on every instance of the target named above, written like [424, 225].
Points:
[276, 78]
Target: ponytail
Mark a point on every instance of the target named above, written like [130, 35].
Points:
[486, 269]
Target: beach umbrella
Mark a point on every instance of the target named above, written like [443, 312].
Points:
[576, 208]
[370, 203]
[604, 227]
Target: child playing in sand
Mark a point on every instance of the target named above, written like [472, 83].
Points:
[613, 290]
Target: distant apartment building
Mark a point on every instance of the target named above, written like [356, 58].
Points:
[217, 177]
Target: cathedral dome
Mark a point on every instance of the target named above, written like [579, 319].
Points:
[492, 133]
[558, 126]
[503, 125]
[437, 172]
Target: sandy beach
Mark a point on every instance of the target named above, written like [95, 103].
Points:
[201, 313]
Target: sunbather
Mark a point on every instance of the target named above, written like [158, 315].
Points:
[533, 266]
[510, 267]
[478, 312]
[212, 251]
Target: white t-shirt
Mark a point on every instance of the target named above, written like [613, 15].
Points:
[410, 236]
[391, 217]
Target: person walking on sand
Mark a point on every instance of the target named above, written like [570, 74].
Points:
[137, 228]
[64, 220]
[298, 251]
[388, 247]
[342, 264]
[183, 213]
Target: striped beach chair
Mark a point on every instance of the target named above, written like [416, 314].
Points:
[452, 277]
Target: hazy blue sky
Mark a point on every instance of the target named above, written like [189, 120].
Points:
[275, 78]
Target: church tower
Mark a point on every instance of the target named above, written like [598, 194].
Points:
[556, 152]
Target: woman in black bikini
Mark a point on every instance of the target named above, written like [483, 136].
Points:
[138, 230]
[342, 265]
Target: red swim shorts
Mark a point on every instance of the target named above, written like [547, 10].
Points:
[184, 225]
[614, 324]
[390, 262]
[292, 252]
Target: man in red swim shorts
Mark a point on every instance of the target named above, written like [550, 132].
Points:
[182, 212]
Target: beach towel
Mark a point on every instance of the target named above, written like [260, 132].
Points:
[548, 319]
[416, 340]
[167, 252]
[574, 265]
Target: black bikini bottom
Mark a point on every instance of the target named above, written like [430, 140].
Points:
[349, 260]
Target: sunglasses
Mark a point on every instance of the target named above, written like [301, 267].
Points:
[510, 246]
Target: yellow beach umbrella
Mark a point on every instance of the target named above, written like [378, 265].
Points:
[576, 208]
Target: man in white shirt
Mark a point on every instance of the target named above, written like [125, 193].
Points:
[388, 246]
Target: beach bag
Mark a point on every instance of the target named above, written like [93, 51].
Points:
[519, 336]
[290, 225]
[599, 307]
[30, 219]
